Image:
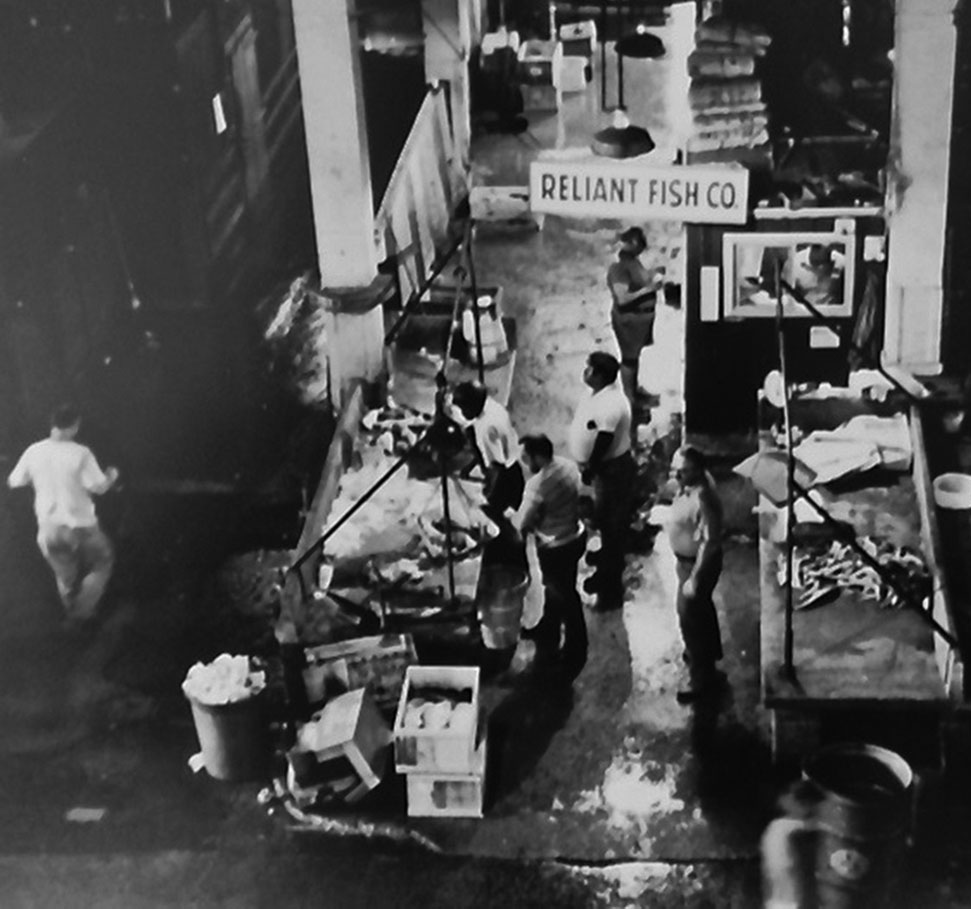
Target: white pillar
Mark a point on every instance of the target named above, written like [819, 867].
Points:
[924, 55]
[448, 27]
[328, 56]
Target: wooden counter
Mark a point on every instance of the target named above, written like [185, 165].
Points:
[852, 653]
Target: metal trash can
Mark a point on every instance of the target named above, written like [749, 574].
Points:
[233, 737]
[500, 599]
[863, 821]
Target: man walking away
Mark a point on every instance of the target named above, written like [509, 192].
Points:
[600, 444]
[65, 476]
[551, 511]
[695, 528]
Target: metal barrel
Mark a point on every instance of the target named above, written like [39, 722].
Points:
[863, 820]
[233, 738]
[500, 599]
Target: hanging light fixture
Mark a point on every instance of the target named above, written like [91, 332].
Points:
[621, 139]
[640, 45]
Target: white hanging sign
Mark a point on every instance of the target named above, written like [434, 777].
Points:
[638, 192]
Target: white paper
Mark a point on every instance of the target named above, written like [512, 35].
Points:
[710, 299]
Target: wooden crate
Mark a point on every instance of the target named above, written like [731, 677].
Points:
[539, 62]
[437, 751]
[377, 663]
[579, 39]
[449, 794]
[540, 97]
[349, 731]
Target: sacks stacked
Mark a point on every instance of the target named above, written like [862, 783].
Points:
[725, 95]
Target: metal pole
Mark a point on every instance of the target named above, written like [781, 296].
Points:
[787, 646]
[446, 509]
[475, 301]
[603, 55]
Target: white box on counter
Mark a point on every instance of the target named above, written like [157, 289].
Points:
[438, 750]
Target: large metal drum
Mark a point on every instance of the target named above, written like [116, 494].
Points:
[863, 822]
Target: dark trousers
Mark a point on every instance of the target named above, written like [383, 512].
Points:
[699, 621]
[503, 489]
[562, 608]
[613, 503]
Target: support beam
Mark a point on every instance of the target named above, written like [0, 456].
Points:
[328, 56]
[924, 56]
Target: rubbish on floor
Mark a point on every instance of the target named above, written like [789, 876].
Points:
[197, 762]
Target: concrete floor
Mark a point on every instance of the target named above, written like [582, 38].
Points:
[607, 795]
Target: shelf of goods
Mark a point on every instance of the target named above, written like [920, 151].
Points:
[729, 117]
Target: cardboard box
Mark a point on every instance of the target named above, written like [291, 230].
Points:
[348, 735]
[376, 663]
[437, 751]
[539, 62]
[449, 794]
[541, 98]
[579, 39]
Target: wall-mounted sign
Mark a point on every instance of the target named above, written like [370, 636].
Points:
[638, 192]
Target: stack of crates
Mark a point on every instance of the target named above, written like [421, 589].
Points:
[444, 767]
[539, 70]
[579, 40]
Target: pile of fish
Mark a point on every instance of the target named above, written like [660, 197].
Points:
[822, 575]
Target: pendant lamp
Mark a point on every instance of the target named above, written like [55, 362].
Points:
[640, 45]
[621, 139]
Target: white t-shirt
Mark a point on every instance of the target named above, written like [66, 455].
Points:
[607, 410]
[64, 475]
[495, 436]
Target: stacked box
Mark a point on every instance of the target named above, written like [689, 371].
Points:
[579, 39]
[539, 62]
[376, 663]
[449, 794]
[438, 750]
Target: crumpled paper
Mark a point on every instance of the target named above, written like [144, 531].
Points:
[226, 680]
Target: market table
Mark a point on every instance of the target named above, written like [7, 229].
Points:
[851, 653]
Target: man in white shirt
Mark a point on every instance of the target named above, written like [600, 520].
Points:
[65, 476]
[599, 441]
[497, 445]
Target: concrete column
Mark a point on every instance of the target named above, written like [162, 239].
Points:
[340, 183]
[448, 28]
[918, 177]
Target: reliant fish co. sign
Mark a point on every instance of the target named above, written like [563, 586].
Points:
[695, 194]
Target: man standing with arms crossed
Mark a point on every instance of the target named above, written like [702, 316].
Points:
[65, 475]
[600, 444]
